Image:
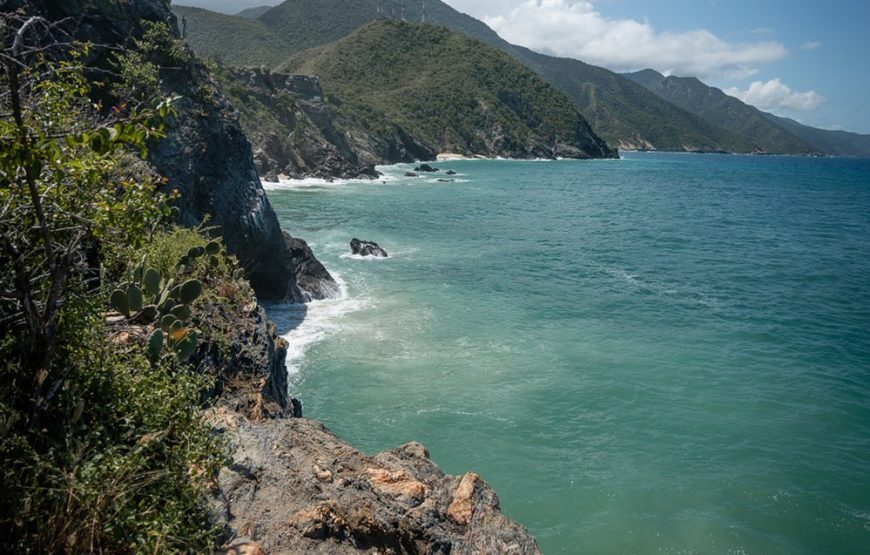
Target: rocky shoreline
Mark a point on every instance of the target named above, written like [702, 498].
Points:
[291, 486]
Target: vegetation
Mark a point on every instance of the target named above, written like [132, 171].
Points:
[720, 109]
[102, 438]
[619, 110]
[446, 90]
[232, 40]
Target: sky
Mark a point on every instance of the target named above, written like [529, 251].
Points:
[802, 59]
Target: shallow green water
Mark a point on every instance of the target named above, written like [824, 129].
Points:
[663, 354]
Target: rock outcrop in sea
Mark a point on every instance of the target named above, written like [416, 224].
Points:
[367, 248]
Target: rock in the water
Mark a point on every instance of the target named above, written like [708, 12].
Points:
[425, 168]
[411, 174]
[450, 172]
[313, 281]
[295, 488]
[446, 180]
[367, 248]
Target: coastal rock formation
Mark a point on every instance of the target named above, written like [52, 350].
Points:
[367, 248]
[425, 168]
[205, 156]
[287, 119]
[293, 487]
[313, 281]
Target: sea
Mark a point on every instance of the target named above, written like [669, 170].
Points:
[666, 353]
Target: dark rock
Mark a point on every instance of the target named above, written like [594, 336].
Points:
[446, 180]
[425, 168]
[296, 488]
[450, 172]
[239, 346]
[313, 281]
[411, 174]
[271, 177]
[367, 248]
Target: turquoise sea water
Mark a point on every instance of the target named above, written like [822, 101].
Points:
[661, 354]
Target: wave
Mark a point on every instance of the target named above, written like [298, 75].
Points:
[305, 325]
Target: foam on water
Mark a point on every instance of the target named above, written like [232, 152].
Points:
[305, 325]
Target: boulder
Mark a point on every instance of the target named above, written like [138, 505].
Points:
[411, 174]
[450, 172]
[313, 281]
[425, 168]
[367, 248]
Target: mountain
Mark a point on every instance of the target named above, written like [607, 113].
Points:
[404, 91]
[725, 111]
[254, 13]
[231, 39]
[833, 143]
[623, 112]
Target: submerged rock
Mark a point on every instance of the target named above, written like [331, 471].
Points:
[367, 248]
[425, 168]
[450, 172]
[293, 487]
[411, 174]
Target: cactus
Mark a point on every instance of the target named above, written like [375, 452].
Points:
[213, 248]
[134, 297]
[239, 273]
[151, 282]
[190, 291]
[186, 346]
[195, 252]
[182, 312]
[119, 302]
[213, 261]
[155, 345]
[167, 321]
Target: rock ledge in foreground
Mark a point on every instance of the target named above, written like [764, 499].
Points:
[294, 488]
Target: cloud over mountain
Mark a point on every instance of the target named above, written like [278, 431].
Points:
[774, 94]
[576, 29]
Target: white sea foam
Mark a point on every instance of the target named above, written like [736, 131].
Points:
[320, 183]
[304, 325]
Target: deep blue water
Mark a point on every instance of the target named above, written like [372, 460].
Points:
[662, 354]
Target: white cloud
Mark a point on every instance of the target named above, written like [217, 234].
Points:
[774, 95]
[575, 29]
[811, 45]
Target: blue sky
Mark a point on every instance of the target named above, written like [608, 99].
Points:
[802, 59]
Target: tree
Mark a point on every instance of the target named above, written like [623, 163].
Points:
[59, 192]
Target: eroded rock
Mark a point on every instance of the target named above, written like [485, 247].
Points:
[367, 248]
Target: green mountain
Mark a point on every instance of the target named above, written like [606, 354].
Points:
[404, 91]
[231, 39]
[254, 13]
[833, 143]
[725, 111]
[624, 113]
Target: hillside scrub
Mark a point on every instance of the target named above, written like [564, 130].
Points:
[102, 442]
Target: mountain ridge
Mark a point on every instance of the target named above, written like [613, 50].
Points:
[621, 111]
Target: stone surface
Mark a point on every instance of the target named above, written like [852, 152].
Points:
[313, 281]
[367, 248]
[299, 139]
[293, 487]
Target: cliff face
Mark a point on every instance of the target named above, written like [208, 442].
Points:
[206, 155]
[288, 120]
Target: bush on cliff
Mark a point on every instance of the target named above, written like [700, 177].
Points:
[102, 449]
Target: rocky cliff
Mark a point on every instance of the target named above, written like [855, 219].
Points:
[206, 155]
[295, 488]
[290, 124]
